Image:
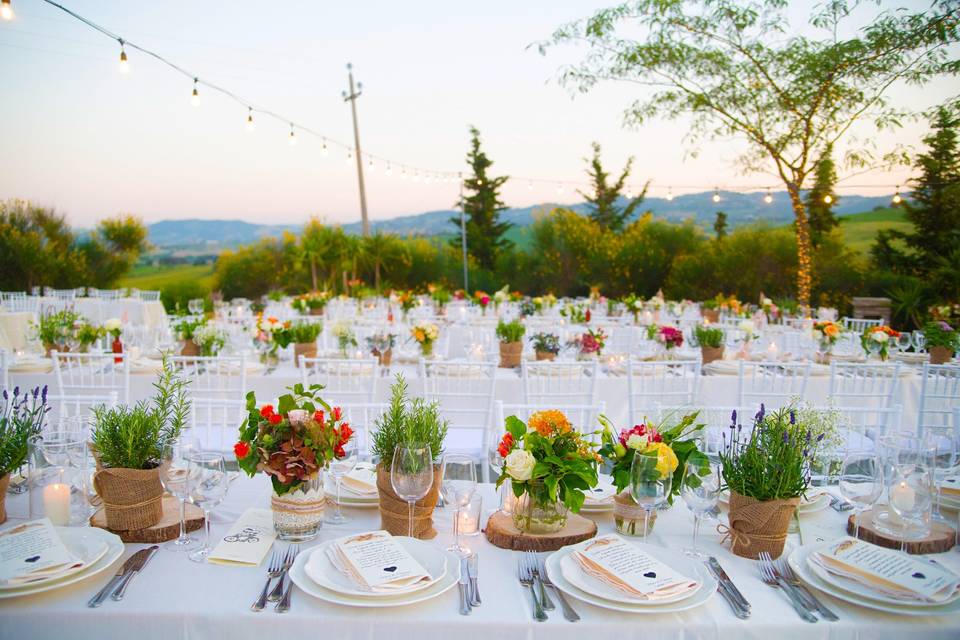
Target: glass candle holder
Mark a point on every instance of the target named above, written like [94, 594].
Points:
[58, 478]
[469, 517]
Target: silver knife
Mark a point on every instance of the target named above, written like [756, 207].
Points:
[735, 605]
[464, 587]
[728, 583]
[472, 572]
[144, 555]
[127, 566]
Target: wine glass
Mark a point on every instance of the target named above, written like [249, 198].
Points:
[195, 306]
[496, 463]
[648, 488]
[942, 449]
[700, 490]
[207, 484]
[861, 483]
[173, 475]
[411, 474]
[918, 341]
[910, 497]
[905, 341]
[459, 481]
[340, 466]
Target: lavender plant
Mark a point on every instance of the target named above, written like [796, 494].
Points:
[21, 418]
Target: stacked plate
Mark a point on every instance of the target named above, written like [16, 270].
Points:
[358, 489]
[950, 493]
[600, 498]
[567, 576]
[857, 593]
[97, 548]
[315, 574]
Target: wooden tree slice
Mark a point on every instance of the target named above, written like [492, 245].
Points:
[167, 529]
[942, 537]
[501, 533]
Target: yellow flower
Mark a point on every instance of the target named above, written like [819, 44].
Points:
[549, 422]
[666, 459]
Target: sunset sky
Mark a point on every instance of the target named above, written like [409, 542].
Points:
[77, 135]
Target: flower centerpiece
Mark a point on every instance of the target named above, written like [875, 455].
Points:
[510, 335]
[710, 340]
[826, 334]
[302, 335]
[87, 334]
[184, 329]
[263, 333]
[113, 327]
[292, 444]
[345, 336]
[767, 470]
[21, 418]
[546, 345]
[482, 300]
[407, 300]
[311, 303]
[634, 305]
[55, 330]
[209, 339]
[673, 445]
[876, 340]
[942, 341]
[441, 298]
[669, 338]
[575, 313]
[590, 344]
[425, 335]
[710, 309]
[407, 423]
[128, 442]
[747, 329]
[549, 466]
[769, 308]
[381, 345]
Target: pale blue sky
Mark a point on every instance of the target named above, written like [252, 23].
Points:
[77, 135]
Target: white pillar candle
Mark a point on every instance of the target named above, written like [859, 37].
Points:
[467, 522]
[903, 497]
[56, 503]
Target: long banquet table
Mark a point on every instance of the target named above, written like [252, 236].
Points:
[175, 598]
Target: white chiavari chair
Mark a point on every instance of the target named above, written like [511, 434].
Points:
[344, 380]
[5, 359]
[62, 294]
[859, 325]
[623, 339]
[362, 417]
[92, 374]
[214, 423]
[863, 385]
[552, 382]
[665, 382]
[939, 395]
[110, 294]
[149, 296]
[775, 384]
[717, 420]
[217, 391]
[77, 406]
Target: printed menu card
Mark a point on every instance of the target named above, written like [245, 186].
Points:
[888, 571]
[248, 540]
[376, 561]
[626, 567]
[33, 551]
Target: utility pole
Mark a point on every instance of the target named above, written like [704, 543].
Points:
[463, 238]
[352, 99]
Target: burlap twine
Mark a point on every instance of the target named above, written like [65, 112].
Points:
[510, 354]
[626, 508]
[132, 498]
[758, 526]
[304, 349]
[394, 515]
[4, 483]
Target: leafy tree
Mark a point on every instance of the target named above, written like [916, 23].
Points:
[720, 225]
[821, 199]
[313, 246]
[383, 250]
[482, 208]
[603, 200]
[726, 64]
[112, 249]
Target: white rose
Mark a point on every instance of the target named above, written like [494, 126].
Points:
[879, 336]
[112, 324]
[767, 302]
[636, 442]
[747, 326]
[519, 464]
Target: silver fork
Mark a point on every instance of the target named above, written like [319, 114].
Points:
[784, 570]
[532, 563]
[568, 611]
[526, 579]
[274, 570]
[288, 557]
[771, 579]
[284, 605]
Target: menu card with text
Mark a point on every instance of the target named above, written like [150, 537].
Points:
[248, 540]
[624, 566]
[33, 551]
[376, 561]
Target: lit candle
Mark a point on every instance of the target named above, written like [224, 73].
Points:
[56, 503]
[903, 497]
[467, 523]
[772, 351]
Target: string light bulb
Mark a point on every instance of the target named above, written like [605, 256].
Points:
[124, 65]
[416, 176]
[896, 196]
[389, 171]
[293, 136]
[250, 125]
[323, 150]
[370, 165]
[716, 196]
[669, 195]
[6, 11]
[195, 98]
[349, 156]
[827, 199]
[560, 189]
[768, 198]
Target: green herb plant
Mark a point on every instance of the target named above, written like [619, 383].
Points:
[407, 422]
[512, 331]
[711, 337]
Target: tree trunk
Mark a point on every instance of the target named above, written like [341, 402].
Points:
[376, 275]
[804, 248]
[313, 271]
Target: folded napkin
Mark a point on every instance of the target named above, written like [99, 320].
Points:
[623, 566]
[377, 562]
[887, 572]
[362, 481]
[601, 494]
[248, 540]
[33, 551]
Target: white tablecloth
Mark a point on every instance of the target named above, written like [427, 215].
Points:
[175, 598]
[14, 329]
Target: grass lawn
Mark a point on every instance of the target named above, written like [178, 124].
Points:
[860, 229]
[152, 278]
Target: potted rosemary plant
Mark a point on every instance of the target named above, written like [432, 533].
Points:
[710, 340]
[302, 335]
[510, 335]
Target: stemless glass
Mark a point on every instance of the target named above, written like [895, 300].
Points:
[173, 476]
[861, 483]
[411, 475]
[458, 482]
[195, 306]
[648, 488]
[700, 490]
[339, 467]
[942, 448]
[207, 485]
[496, 463]
[910, 497]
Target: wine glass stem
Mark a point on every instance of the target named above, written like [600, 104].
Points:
[646, 520]
[206, 530]
[410, 518]
[456, 528]
[339, 513]
[183, 519]
[856, 524]
[696, 530]
[903, 534]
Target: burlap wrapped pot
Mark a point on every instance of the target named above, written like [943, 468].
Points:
[710, 354]
[758, 526]
[711, 315]
[4, 483]
[190, 348]
[383, 358]
[394, 515]
[132, 498]
[940, 355]
[510, 354]
[545, 355]
[316, 312]
[628, 516]
[304, 350]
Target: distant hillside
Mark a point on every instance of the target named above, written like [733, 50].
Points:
[741, 208]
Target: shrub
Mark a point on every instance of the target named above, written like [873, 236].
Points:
[510, 331]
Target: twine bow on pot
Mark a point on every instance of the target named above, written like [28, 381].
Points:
[757, 526]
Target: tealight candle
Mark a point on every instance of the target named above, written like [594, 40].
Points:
[56, 503]
[903, 497]
[468, 518]
[772, 351]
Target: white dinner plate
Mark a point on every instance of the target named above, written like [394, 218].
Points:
[300, 578]
[72, 537]
[571, 570]
[701, 596]
[86, 547]
[856, 594]
[320, 569]
[603, 496]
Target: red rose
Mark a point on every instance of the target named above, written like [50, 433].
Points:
[318, 416]
[337, 414]
[241, 450]
[505, 445]
[275, 418]
[339, 452]
[345, 432]
[266, 411]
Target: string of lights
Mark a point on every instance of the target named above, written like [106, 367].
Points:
[404, 170]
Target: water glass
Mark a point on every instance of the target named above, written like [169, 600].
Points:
[861, 483]
[919, 340]
[458, 483]
[942, 448]
[207, 484]
[411, 475]
[195, 306]
[700, 491]
[340, 466]
[910, 498]
[648, 487]
[905, 341]
[173, 475]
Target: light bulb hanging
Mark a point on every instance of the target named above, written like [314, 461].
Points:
[669, 195]
[293, 136]
[896, 196]
[403, 173]
[250, 125]
[124, 65]
[195, 98]
[349, 156]
[323, 150]
[416, 176]
[370, 165]
[768, 198]
[827, 199]
[716, 196]
[389, 171]
[6, 11]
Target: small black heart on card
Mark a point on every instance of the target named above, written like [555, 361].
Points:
[32, 559]
[919, 576]
[391, 569]
[650, 574]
